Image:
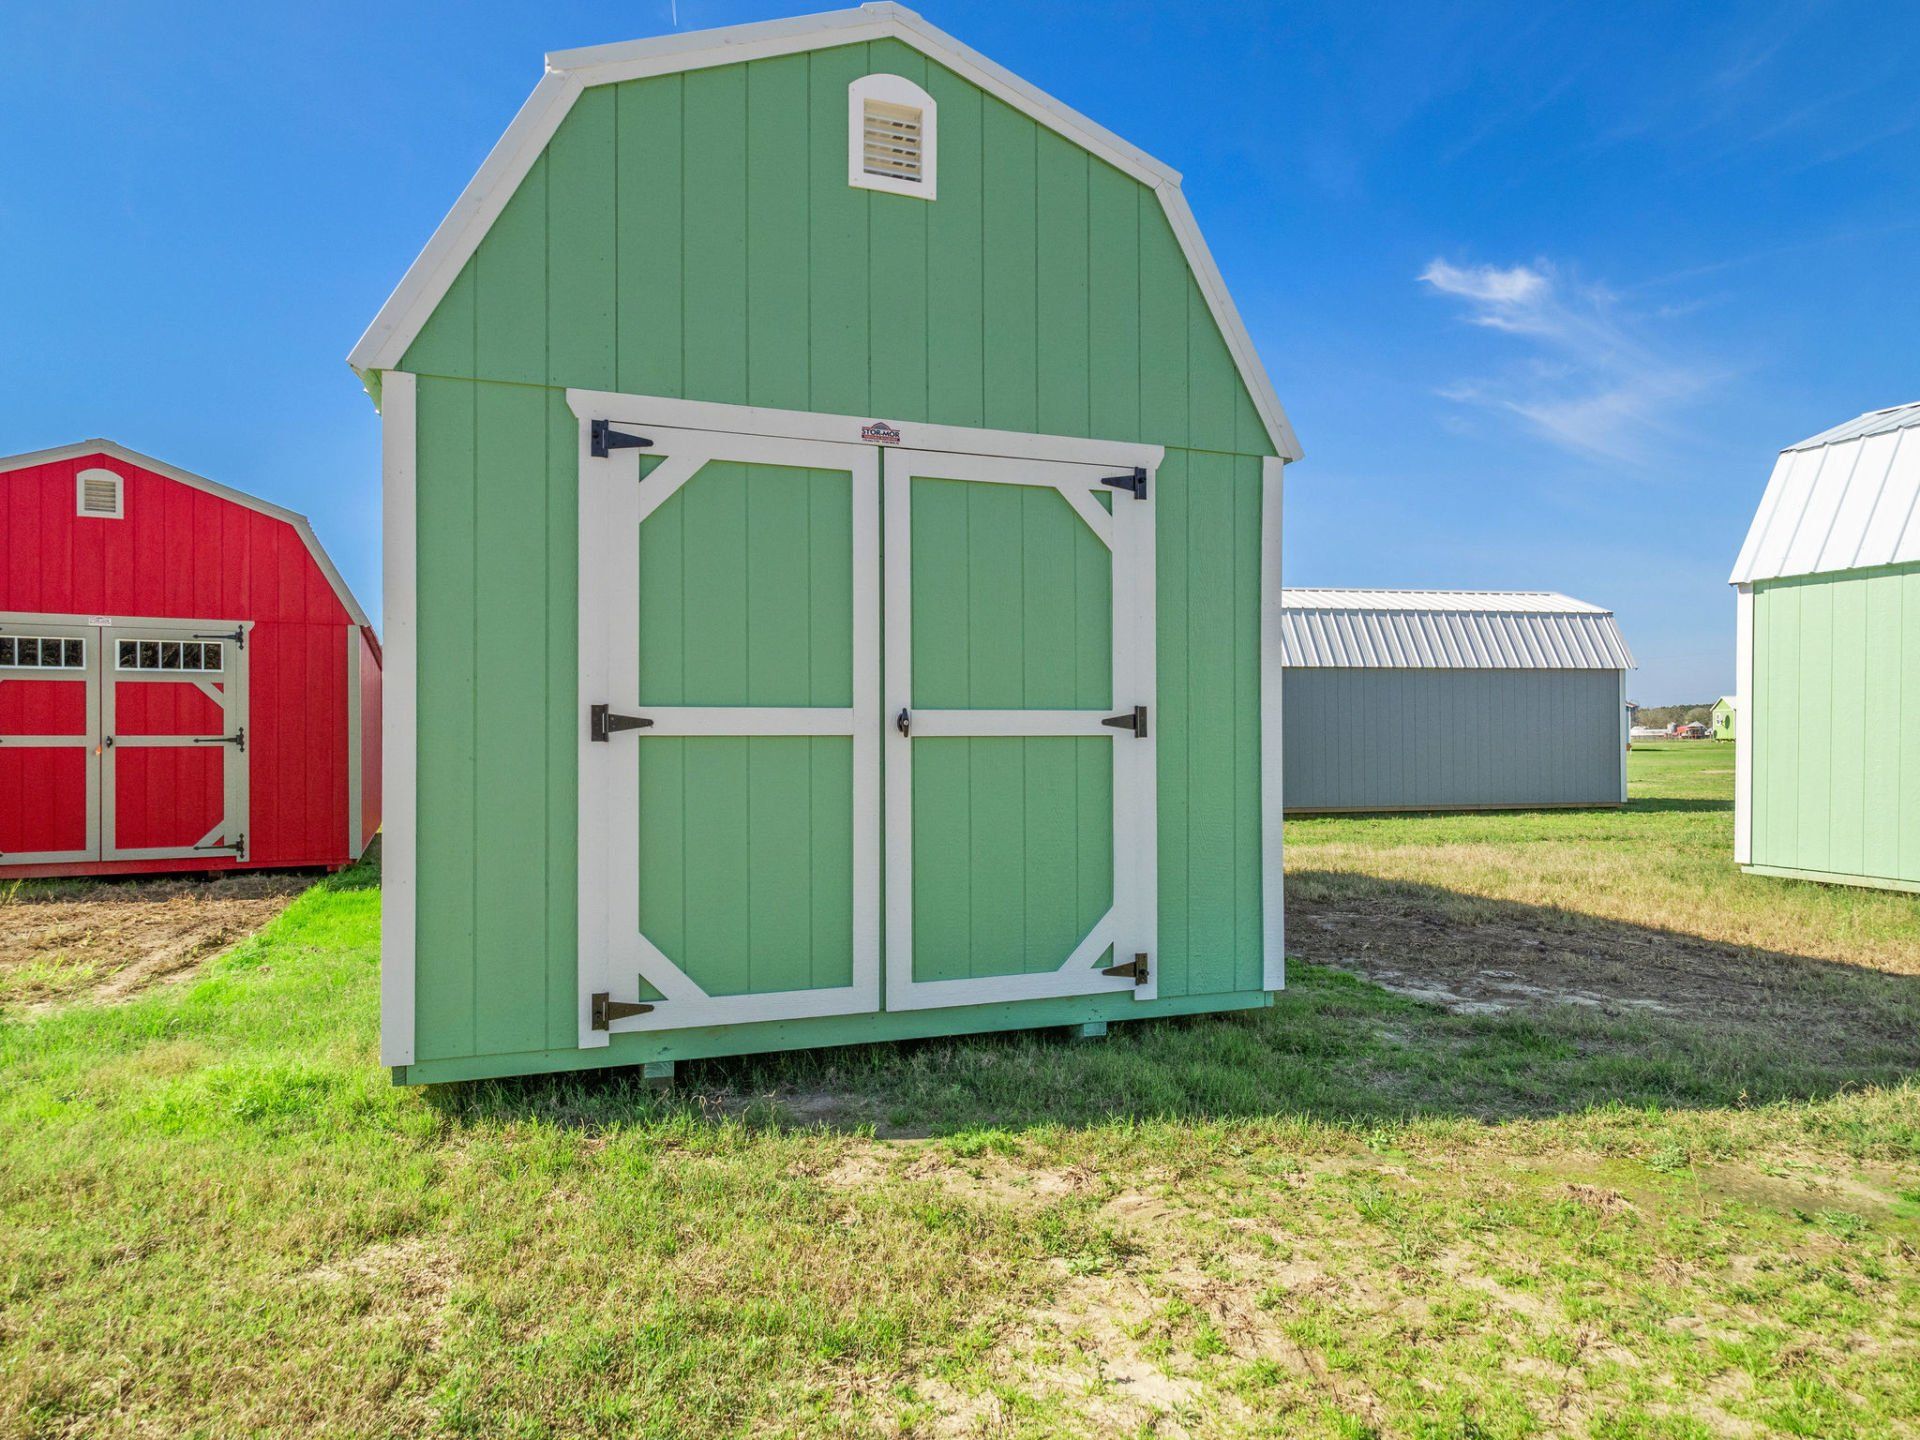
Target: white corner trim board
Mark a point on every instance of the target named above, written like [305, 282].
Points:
[1743, 726]
[1273, 881]
[399, 690]
[571, 72]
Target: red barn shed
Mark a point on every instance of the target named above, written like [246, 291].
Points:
[185, 681]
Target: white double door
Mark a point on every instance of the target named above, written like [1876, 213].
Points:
[838, 702]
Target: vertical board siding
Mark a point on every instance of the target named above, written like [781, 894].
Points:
[695, 235]
[371, 753]
[447, 782]
[721, 255]
[1432, 739]
[1835, 725]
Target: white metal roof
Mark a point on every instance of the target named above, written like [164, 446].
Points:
[1448, 630]
[1844, 499]
[571, 72]
[114, 450]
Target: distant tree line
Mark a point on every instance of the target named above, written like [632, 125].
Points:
[1661, 716]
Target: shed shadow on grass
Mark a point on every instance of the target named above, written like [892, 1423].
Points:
[1487, 1010]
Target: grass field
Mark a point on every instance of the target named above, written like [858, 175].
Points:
[1592, 1213]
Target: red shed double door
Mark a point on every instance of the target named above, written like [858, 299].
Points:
[121, 739]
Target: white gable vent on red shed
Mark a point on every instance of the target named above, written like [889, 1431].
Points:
[98, 493]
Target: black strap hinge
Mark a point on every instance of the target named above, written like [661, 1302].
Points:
[1134, 482]
[238, 637]
[238, 738]
[603, 440]
[602, 722]
[1135, 720]
[1134, 970]
[606, 1009]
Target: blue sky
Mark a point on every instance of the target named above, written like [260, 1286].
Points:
[1543, 287]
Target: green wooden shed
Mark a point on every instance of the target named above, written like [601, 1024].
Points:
[832, 570]
[1827, 768]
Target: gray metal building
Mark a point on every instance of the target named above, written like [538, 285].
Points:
[1451, 700]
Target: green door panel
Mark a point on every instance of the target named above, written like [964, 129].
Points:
[746, 589]
[1012, 852]
[1012, 600]
[746, 859]
[746, 842]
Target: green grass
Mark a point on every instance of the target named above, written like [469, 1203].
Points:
[1350, 1215]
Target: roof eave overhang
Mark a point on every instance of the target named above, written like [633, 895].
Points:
[570, 72]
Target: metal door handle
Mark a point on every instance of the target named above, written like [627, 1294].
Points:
[109, 742]
[903, 722]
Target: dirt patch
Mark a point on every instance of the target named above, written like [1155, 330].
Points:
[1512, 957]
[107, 940]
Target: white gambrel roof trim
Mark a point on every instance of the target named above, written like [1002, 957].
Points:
[1845, 499]
[115, 451]
[1448, 630]
[569, 72]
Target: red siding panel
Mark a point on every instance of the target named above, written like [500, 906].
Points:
[166, 796]
[182, 553]
[43, 799]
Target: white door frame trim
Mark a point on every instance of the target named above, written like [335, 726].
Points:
[235, 704]
[614, 503]
[1273, 880]
[1131, 923]
[644, 411]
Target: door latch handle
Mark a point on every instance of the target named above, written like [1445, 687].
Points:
[602, 722]
[903, 722]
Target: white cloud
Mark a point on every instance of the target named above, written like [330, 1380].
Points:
[1499, 290]
[1588, 381]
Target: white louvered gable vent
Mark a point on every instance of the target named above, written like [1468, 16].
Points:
[891, 136]
[99, 494]
[891, 139]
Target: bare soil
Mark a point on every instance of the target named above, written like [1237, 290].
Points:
[1520, 956]
[62, 941]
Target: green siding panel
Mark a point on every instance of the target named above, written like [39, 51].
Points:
[1012, 600]
[1012, 852]
[777, 201]
[648, 208]
[1835, 725]
[746, 589]
[695, 235]
[746, 859]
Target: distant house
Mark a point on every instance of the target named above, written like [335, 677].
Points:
[1828, 658]
[1724, 710]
